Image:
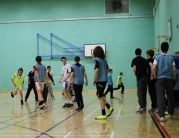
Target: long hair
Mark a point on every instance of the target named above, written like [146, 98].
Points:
[98, 52]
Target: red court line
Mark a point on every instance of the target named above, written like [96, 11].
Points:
[161, 126]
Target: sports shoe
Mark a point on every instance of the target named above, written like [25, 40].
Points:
[41, 104]
[141, 110]
[82, 106]
[70, 104]
[54, 99]
[25, 100]
[22, 102]
[162, 119]
[171, 116]
[112, 97]
[166, 113]
[154, 110]
[12, 95]
[122, 93]
[65, 105]
[109, 112]
[78, 109]
[101, 117]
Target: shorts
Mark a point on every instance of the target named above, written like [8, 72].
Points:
[66, 85]
[18, 89]
[38, 87]
[100, 87]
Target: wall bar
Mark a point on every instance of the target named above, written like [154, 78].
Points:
[76, 19]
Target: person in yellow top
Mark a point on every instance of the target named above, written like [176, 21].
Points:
[120, 84]
[18, 83]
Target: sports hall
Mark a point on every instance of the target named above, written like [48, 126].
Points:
[54, 29]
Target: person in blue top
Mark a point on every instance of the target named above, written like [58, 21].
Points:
[110, 84]
[176, 88]
[78, 74]
[165, 72]
[100, 80]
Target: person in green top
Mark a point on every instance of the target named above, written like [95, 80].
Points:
[120, 84]
[18, 83]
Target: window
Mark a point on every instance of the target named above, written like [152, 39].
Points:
[116, 6]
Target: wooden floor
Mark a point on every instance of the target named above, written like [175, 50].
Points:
[55, 121]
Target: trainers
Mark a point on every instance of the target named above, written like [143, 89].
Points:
[109, 112]
[82, 106]
[25, 100]
[65, 105]
[41, 104]
[112, 97]
[154, 110]
[122, 93]
[22, 102]
[78, 109]
[161, 119]
[171, 116]
[12, 95]
[166, 113]
[101, 117]
[141, 110]
[70, 104]
[54, 99]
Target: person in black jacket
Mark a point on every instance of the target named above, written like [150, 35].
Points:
[49, 87]
[31, 85]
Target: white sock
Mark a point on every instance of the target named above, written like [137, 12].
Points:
[66, 101]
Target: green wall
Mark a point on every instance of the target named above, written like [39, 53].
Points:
[167, 10]
[122, 36]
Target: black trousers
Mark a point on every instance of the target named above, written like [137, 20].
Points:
[45, 92]
[142, 91]
[162, 86]
[109, 89]
[30, 87]
[152, 92]
[78, 94]
[120, 86]
[176, 95]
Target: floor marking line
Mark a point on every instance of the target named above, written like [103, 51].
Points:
[24, 114]
[29, 119]
[120, 109]
[67, 135]
[160, 128]
[63, 120]
[91, 113]
[112, 135]
[119, 112]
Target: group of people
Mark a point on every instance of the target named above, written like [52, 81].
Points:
[71, 76]
[44, 86]
[160, 74]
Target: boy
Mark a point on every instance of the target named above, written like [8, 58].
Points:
[151, 80]
[120, 84]
[165, 72]
[31, 85]
[110, 84]
[18, 83]
[50, 75]
[100, 80]
[139, 65]
[77, 75]
[65, 75]
[39, 78]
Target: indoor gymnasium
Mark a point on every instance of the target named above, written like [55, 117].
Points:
[89, 68]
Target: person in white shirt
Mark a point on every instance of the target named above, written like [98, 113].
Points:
[65, 75]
